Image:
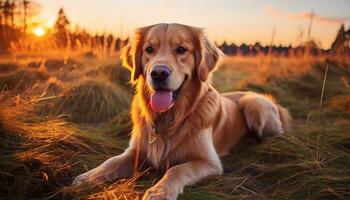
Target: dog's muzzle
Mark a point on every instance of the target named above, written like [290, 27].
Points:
[162, 99]
[160, 75]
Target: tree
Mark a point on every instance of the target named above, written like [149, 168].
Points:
[12, 13]
[340, 41]
[12, 25]
[1, 12]
[62, 22]
[25, 14]
[6, 11]
[347, 38]
[28, 9]
[62, 29]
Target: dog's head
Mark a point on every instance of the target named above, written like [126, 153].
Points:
[168, 56]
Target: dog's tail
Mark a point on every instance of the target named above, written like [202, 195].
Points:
[285, 118]
[263, 116]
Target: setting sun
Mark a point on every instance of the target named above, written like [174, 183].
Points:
[39, 31]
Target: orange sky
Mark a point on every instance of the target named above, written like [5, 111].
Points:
[234, 21]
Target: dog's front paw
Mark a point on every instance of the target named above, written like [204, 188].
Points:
[159, 192]
[82, 178]
[94, 176]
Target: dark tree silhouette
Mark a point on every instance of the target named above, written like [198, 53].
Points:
[1, 12]
[14, 18]
[62, 21]
[27, 9]
[8, 31]
[62, 29]
[341, 42]
[6, 10]
[12, 13]
[25, 14]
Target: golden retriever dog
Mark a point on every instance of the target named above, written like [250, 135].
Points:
[181, 124]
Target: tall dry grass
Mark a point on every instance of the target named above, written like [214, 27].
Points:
[43, 151]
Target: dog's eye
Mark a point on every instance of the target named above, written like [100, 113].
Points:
[149, 50]
[180, 50]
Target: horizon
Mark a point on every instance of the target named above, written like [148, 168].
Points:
[261, 18]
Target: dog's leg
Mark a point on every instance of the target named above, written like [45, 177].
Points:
[121, 166]
[263, 116]
[177, 177]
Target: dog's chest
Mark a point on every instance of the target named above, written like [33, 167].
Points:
[161, 154]
[156, 154]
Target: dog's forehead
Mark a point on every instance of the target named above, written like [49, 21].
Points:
[174, 33]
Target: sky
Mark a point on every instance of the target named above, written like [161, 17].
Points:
[247, 21]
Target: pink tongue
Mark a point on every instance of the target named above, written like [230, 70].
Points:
[161, 100]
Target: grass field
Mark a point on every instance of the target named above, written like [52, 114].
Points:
[60, 117]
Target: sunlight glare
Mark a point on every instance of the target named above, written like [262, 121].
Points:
[50, 24]
[39, 31]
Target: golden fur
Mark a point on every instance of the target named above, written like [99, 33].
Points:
[187, 140]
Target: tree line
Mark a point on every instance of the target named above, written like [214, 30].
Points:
[340, 46]
[15, 18]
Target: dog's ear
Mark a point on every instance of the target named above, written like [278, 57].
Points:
[131, 54]
[126, 58]
[206, 55]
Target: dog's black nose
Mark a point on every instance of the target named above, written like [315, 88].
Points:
[160, 73]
